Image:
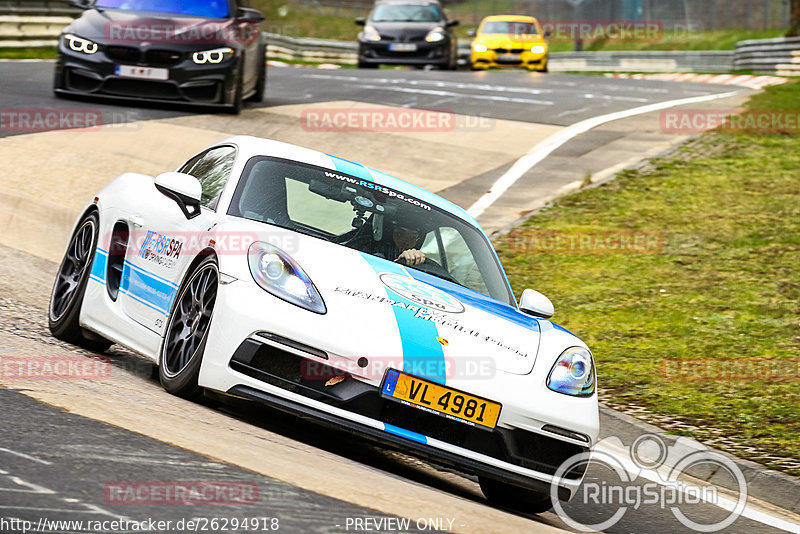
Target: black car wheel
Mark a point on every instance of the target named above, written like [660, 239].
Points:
[511, 497]
[187, 331]
[261, 85]
[70, 286]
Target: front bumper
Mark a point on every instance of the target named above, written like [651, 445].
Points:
[494, 59]
[378, 53]
[95, 75]
[257, 349]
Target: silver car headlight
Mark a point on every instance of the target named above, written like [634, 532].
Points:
[371, 34]
[538, 49]
[218, 55]
[79, 44]
[573, 373]
[277, 273]
[435, 35]
[480, 48]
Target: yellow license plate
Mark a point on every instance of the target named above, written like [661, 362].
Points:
[440, 399]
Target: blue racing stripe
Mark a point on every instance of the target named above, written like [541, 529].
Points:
[402, 432]
[147, 288]
[423, 355]
[99, 266]
[351, 168]
[478, 300]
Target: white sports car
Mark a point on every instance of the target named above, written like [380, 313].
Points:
[335, 292]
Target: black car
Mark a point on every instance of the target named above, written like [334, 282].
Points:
[208, 52]
[407, 32]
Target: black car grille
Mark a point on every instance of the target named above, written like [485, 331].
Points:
[152, 58]
[123, 53]
[162, 58]
[141, 88]
[509, 50]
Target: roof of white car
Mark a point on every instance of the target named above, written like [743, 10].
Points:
[257, 146]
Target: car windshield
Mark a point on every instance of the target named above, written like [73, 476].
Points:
[510, 28]
[197, 8]
[406, 13]
[370, 218]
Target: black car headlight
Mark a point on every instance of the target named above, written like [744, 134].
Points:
[217, 55]
[277, 273]
[435, 35]
[79, 44]
[370, 34]
[573, 373]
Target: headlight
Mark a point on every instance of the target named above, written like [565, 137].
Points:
[573, 373]
[218, 55]
[79, 44]
[480, 48]
[435, 35]
[538, 49]
[279, 274]
[371, 34]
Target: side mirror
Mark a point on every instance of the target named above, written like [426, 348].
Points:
[547, 34]
[472, 33]
[451, 23]
[361, 21]
[246, 14]
[534, 303]
[184, 189]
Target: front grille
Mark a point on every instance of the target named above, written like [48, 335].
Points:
[143, 88]
[162, 58]
[509, 50]
[125, 54]
[286, 370]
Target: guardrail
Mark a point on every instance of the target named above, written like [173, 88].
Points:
[46, 8]
[18, 31]
[769, 56]
[313, 50]
[700, 61]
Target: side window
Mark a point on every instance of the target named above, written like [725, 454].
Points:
[212, 168]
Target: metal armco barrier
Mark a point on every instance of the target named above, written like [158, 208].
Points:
[769, 56]
[700, 61]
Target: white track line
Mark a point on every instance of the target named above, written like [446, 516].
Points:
[726, 504]
[546, 147]
[26, 456]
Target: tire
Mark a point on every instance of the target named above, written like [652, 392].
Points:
[261, 85]
[66, 299]
[514, 498]
[362, 65]
[236, 107]
[187, 331]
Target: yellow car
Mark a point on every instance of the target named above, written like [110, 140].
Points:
[509, 41]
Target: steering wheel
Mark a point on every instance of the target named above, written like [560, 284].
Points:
[431, 267]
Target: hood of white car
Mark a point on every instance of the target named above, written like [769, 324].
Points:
[392, 313]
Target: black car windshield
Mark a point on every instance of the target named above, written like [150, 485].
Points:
[370, 218]
[510, 27]
[406, 13]
[197, 8]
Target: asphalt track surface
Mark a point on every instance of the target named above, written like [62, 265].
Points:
[57, 465]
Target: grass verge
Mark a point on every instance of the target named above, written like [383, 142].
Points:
[723, 289]
[28, 53]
